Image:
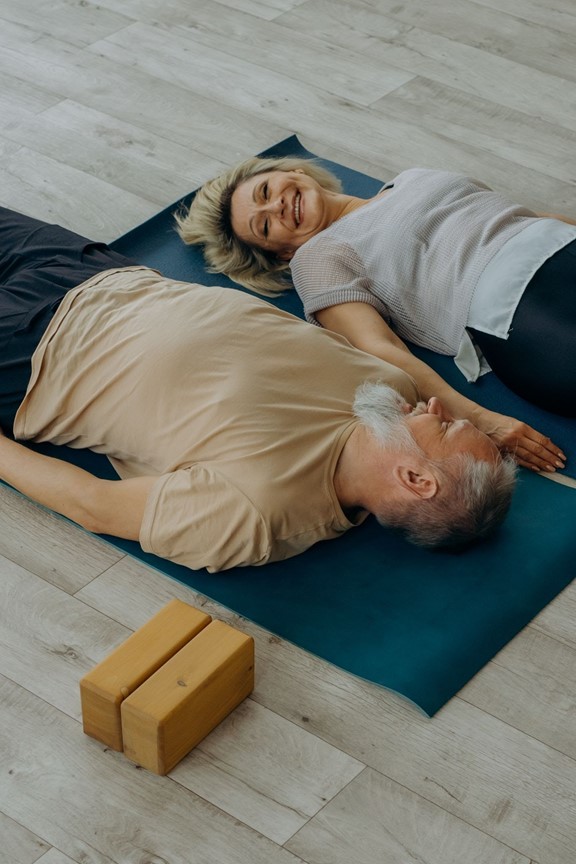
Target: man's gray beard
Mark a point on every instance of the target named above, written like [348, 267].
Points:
[383, 411]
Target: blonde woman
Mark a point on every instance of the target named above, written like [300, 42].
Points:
[435, 258]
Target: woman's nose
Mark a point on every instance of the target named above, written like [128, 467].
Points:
[274, 205]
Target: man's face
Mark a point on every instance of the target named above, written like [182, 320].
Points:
[439, 435]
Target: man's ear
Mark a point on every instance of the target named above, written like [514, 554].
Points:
[416, 480]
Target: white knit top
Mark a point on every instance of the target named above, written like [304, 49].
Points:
[415, 253]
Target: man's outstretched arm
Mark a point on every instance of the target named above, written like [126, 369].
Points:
[102, 506]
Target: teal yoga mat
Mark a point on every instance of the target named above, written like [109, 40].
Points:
[419, 623]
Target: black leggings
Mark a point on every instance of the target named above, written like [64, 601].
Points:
[39, 264]
[538, 360]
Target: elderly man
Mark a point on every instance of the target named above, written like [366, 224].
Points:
[242, 434]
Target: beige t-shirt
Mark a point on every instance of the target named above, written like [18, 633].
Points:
[239, 408]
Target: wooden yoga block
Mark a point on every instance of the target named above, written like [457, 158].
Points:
[103, 689]
[184, 700]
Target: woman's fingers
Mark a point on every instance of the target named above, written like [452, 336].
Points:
[537, 452]
[543, 449]
[530, 448]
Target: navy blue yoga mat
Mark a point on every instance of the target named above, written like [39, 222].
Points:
[417, 622]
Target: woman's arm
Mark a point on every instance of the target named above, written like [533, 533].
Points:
[365, 328]
[102, 506]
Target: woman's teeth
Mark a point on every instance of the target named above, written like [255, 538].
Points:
[297, 208]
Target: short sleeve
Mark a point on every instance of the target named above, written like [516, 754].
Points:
[196, 517]
[326, 272]
[480, 184]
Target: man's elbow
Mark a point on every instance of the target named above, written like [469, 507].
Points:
[90, 509]
[90, 520]
[112, 507]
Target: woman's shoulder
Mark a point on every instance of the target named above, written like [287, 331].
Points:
[326, 242]
[323, 260]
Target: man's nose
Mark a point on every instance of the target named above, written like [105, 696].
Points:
[435, 406]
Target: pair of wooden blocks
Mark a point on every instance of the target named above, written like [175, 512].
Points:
[167, 686]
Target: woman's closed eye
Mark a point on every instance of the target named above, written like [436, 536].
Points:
[265, 192]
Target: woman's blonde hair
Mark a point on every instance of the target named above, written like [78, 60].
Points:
[208, 222]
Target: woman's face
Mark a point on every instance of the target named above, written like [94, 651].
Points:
[279, 211]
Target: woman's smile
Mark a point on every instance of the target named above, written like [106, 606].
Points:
[280, 210]
[297, 208]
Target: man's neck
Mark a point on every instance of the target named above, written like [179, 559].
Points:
[360, 473]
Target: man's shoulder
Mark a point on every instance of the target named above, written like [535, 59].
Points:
[200, 518]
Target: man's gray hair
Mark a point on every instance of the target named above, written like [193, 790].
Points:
[475, 494]
[208, 222]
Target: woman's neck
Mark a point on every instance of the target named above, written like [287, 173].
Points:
[346, 204]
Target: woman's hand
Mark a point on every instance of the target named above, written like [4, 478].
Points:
[528, 447]
[363, 326]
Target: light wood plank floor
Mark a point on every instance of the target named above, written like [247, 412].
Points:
[109, 111]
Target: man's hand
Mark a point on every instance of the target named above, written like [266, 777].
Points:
[527, 446]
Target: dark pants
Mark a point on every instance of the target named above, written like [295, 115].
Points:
[538, 360]
[39, 263]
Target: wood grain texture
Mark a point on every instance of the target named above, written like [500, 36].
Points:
[558, 619]
[50, 546]
[54, 856]
[51, 640]
[75, 23]
[19, 845]
[374, 819]
[111, 110]
[144, 163]
[55, 776]
[121, 672]
[465, 760]
[432, 55]
[266, 771]
[533, 668]
[556, 15]
[187, 697]
[494, 776]
[479, 123]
